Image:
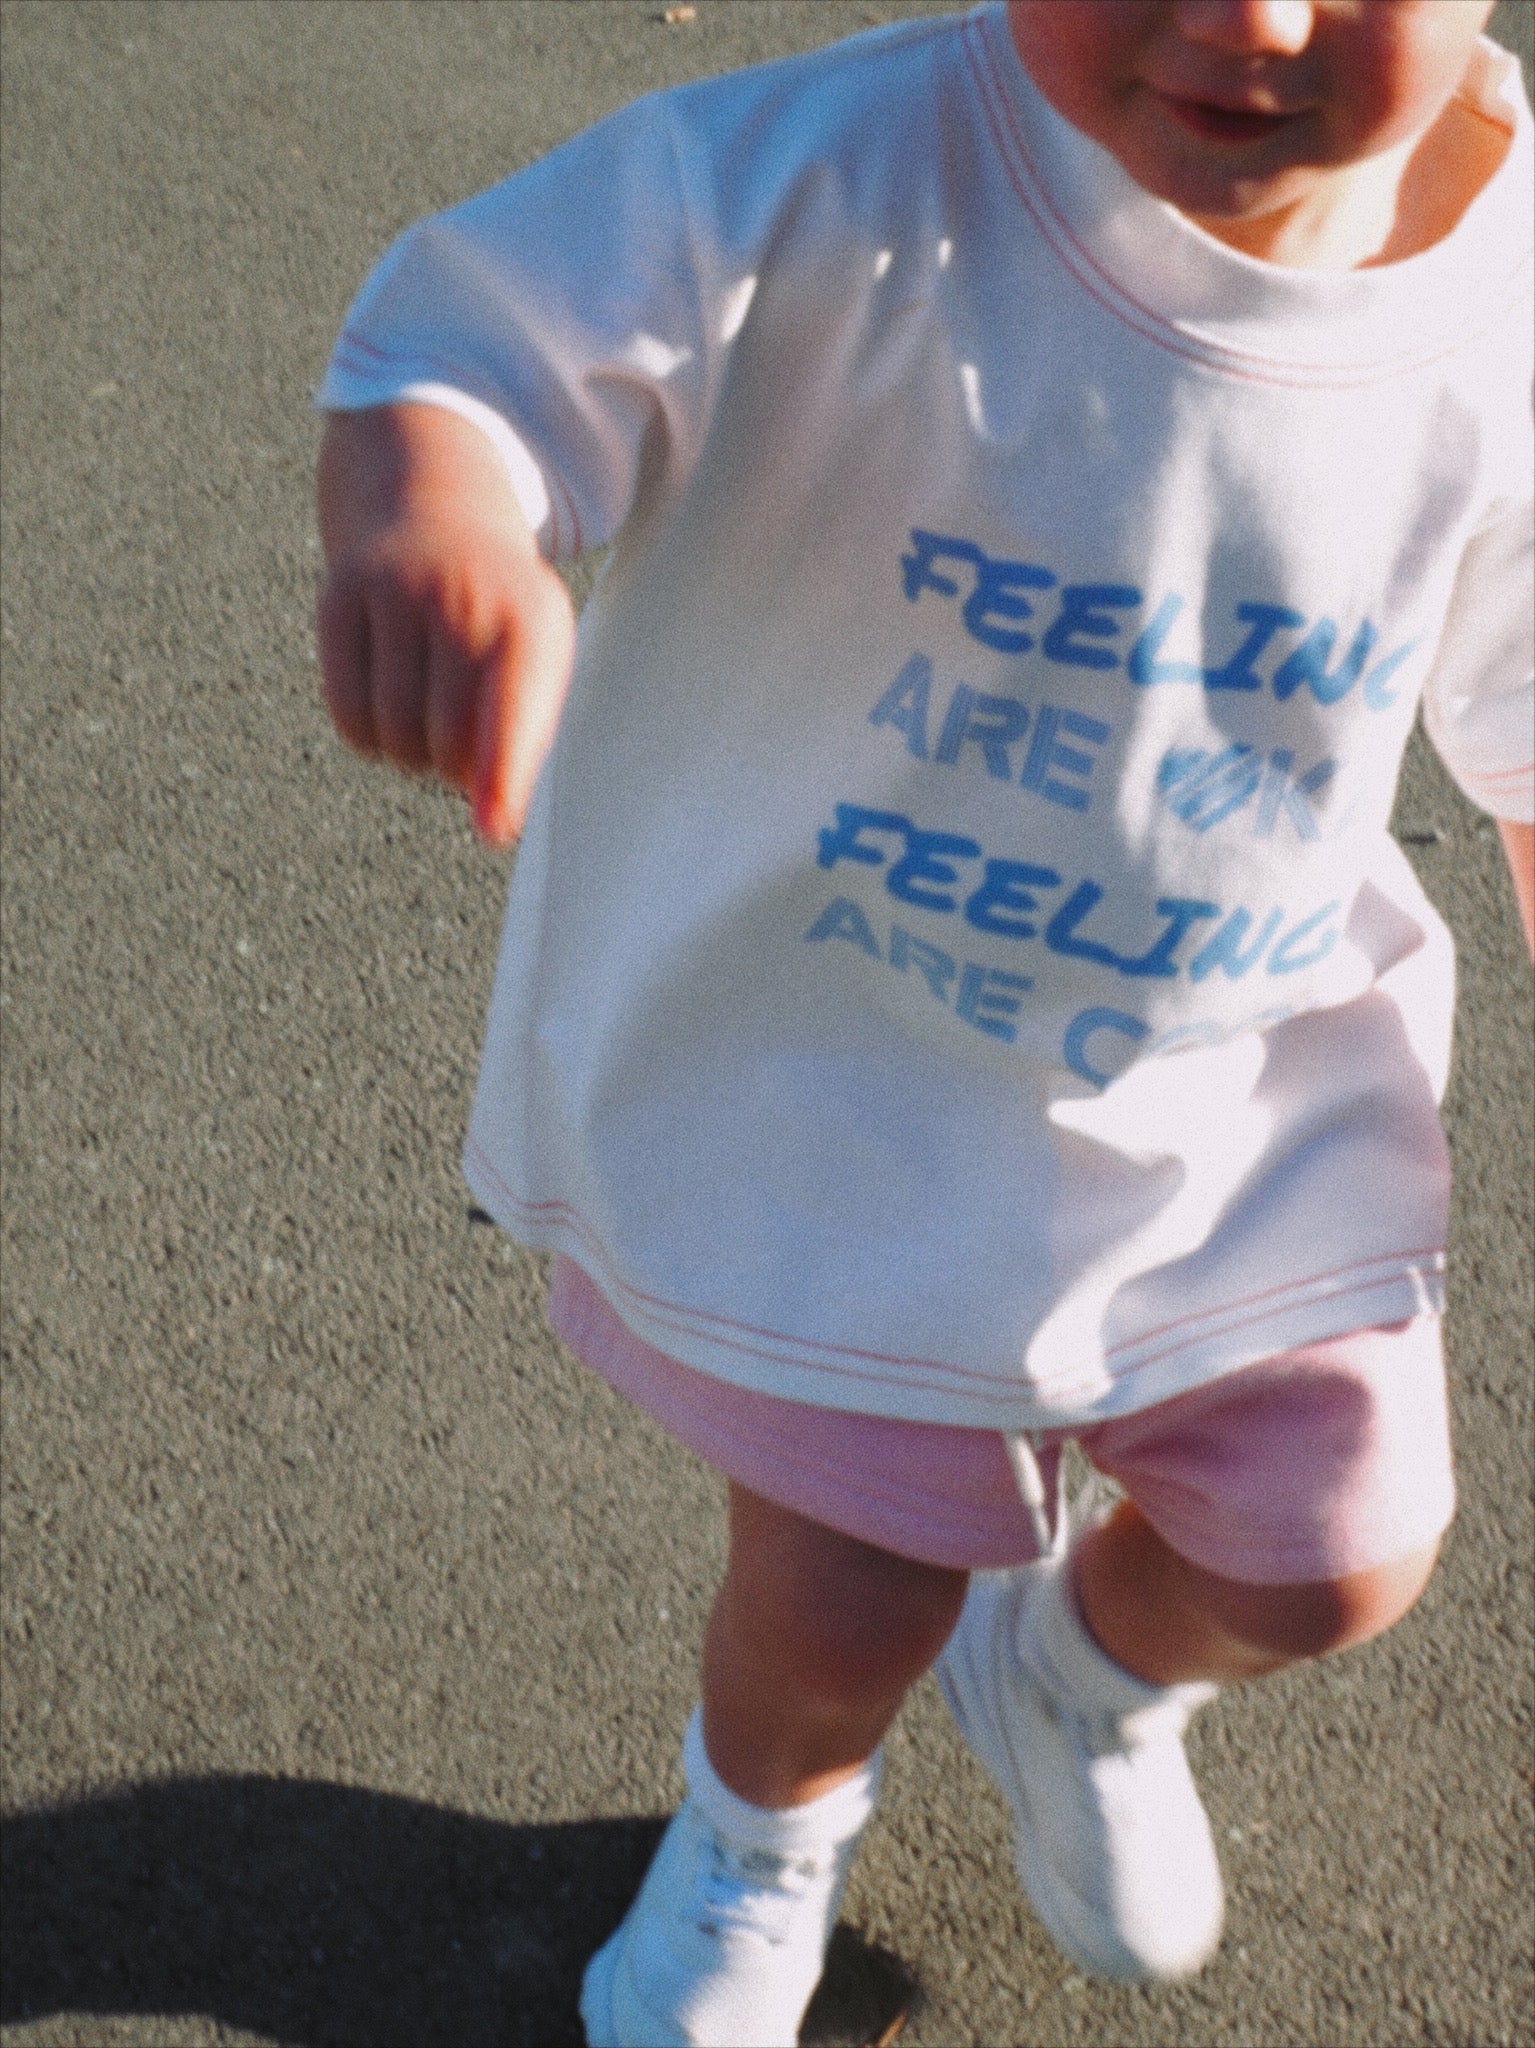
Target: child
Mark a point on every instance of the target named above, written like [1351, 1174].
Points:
[958, 990]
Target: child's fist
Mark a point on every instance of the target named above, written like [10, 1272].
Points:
[445, 640]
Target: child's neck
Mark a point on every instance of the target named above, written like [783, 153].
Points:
[1382, 210]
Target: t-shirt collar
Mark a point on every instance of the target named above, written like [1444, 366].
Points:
[1156, 269]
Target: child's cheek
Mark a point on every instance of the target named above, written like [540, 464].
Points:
[1083, 58]
[1398, 70]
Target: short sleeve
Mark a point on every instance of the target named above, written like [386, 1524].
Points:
[559, 311]
[1479, 701]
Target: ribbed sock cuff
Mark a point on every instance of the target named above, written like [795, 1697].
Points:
[1087, 1675]
[824, 1823]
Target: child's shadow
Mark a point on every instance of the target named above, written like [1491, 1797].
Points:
[316, 1913]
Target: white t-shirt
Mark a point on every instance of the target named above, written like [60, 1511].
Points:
[957, 967]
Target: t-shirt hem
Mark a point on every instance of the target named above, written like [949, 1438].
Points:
[1508, 793]
[1135, 1373]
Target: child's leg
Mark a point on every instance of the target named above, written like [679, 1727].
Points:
[814, 1639]
[1170, 1621]
[1258, 1506]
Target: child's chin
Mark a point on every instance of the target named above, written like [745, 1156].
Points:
[1222, 190]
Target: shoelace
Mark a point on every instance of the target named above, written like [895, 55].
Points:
[753, 1891]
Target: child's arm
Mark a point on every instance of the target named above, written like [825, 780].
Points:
[1519, 845]
[445, 639]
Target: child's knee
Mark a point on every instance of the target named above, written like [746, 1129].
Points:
[1316, 1619]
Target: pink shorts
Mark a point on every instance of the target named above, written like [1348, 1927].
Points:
[1324, 1461]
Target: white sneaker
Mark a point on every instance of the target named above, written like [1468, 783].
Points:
[726, 1940]
[1112, 1843]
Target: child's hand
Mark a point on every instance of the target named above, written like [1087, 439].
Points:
[445, 639]
[1519, 846]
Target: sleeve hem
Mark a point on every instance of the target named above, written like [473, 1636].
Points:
[523, 471]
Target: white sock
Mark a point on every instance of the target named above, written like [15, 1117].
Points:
[823, 1823]
[1058, 1639]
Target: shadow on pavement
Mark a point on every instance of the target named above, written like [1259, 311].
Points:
[319, 1913]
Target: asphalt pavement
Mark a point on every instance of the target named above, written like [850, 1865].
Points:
[349, 1626]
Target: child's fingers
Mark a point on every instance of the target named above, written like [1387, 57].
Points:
[342, 642]
[453, 686]
[495, 740]
[398, 668]
[458, 665]
[522, 688]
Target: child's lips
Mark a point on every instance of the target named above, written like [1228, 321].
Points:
[1225, 124]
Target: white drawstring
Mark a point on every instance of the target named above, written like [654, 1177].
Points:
[1023, 1456]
